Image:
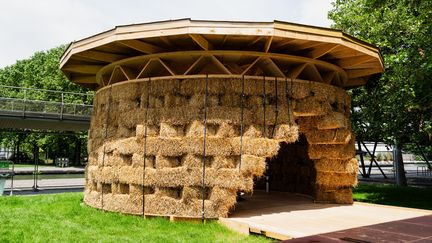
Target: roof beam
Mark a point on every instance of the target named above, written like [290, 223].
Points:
[143, 47]
[269, 65]
[84, 79]
[201, 41]
[86, 69]
[101, 56]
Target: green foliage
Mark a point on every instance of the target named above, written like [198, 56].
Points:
[41, 71]
[62, 218]
[414, 197]
[398, 104]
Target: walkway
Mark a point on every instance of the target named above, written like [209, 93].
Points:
[285, 216]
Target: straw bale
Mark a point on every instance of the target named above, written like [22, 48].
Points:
[195, 129]
[311, 107]
[190, 194]
[252, 166]
[335, 179]
[214, 146]
[333, 120]
[231, 100]
[287, 133]
[228, 162]
[332, 151]
[151, 131]
[253, 131]
[298, 91]
[138, 160]
[120, 203]
[340, 196]
[307, 123]
[323, 92]
[261, 147]
[223, 200]
[334, 136]
[227, 130]
[337, 165]
[168, 161]
[92, 198]
[168, 130]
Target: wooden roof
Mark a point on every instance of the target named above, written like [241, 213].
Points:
[184, 47]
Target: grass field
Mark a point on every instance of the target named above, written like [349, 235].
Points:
[63, 218]
[413, 197]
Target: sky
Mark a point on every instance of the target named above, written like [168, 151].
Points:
[28, 26]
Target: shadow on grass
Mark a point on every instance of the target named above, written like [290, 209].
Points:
[413, 197]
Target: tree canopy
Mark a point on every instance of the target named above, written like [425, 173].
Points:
[41, 71]
[397, 105]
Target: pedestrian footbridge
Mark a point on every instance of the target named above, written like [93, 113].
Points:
[27, 108]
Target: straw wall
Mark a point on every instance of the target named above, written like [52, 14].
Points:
[174, 146]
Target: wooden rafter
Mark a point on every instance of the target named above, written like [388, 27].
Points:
[256, 40]
[167, 67]
[85, 69]
[295, 72]
[128, 72]
[251, 65]
[268, 44]
[141, 46]
[84, 79]
[356, 73]
[321, 50]
[353, 61]
[198, 62]
[355, 82]
[315, 73]
[101, 56]
[328, 77]
[304, 46]
[220, 65]
[166, 41]
[271, 67]
[201, 41]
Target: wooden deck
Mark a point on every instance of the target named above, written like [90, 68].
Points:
[285, 216]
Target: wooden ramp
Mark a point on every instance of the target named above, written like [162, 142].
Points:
[285, 216]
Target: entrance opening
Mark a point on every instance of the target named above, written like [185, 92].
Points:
[290, 170]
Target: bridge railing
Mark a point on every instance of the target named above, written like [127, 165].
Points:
[26, 102]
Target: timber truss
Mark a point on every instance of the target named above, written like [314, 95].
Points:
[187, 64]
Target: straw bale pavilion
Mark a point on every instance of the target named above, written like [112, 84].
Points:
[189, 113]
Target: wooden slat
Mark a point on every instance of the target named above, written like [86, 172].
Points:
[251, 65]
[268, 44]
[168, 68]
[145, 68]
[201, 41]
[220, 65]
[321, 50]
[328, 77]
[143, 47]
[295, 72]
[128, 72]
[86, 69]
[355, 82]
[316, 74]
[269, 65]
[101, 56]
[304, 46]
[196, 64]
[356, 73]
[353, 61]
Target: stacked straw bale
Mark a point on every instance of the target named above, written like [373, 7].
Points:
[174, 145]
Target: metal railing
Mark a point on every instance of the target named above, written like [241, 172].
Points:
[27, 102]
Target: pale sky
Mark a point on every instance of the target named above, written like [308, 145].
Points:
[28, 26]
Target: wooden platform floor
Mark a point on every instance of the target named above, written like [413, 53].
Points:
[286, 216]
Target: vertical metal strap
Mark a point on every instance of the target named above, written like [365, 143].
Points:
[204, 148]
[264, 108]
[241, 122]
[104, 138]
[145, 144]
[276, 106]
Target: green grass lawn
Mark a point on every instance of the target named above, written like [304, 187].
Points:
[63, 218]
[413, 197]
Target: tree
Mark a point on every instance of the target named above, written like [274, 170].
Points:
[396, 106]
[41, 71]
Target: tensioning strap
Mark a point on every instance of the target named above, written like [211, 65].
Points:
[204, 149]
[241, 122]
[104, 138]
[145, 144]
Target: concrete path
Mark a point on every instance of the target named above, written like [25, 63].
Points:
[285, 216]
